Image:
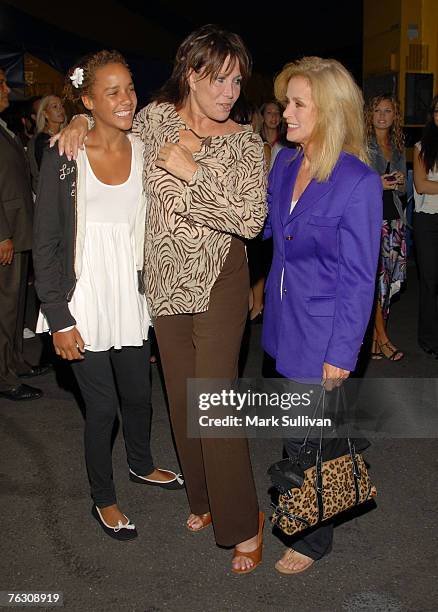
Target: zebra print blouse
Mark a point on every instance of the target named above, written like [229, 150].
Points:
[189, 226]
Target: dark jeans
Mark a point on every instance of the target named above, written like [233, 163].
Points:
[100, 376]
[315, 542]
[426, 247]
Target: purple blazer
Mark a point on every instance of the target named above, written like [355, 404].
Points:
[328, 248]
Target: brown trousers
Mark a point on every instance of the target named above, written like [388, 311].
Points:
[217, 471]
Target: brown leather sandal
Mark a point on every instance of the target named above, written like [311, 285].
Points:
[205, 520]
[254, 555]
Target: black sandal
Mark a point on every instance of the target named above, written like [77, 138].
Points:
[394, 352]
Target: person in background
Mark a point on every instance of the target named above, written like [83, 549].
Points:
[325, 216]
[22, 123]
[271, 130]
[49, 121]
[88, 254]
[387, 157]
[259, 250]
[426, 231]
[16, 212]
[21, 120]
[255, 118]
[34, 105]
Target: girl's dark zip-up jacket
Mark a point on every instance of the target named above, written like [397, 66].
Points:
[54, 238]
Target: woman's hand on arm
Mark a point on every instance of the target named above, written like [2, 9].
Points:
[69, 344]
[72, 137]
[421, 182]
[178, 160]
[332, 376]
[228, 197]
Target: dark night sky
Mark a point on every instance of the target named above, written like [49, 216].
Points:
[277, 32]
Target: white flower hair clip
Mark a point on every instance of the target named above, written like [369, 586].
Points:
[77, 78]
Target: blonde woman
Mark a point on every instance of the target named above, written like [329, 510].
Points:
[325, 215]
[49, 121]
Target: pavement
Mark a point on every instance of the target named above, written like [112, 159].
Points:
[384, 560]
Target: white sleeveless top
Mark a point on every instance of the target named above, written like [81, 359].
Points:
[426, 203]
[109, 310]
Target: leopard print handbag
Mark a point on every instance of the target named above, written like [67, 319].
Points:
[329, 488]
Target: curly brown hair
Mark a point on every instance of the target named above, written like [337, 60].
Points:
[90, 64]
[396, 135]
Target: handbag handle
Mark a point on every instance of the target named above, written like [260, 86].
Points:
[351, 446]
[303, 446]
[321, 402]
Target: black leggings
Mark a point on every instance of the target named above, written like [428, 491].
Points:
[102, 376]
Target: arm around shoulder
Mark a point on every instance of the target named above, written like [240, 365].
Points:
[146, 121]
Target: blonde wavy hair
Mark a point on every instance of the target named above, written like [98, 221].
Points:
[339, 109]
[41, 116]
[396, 135]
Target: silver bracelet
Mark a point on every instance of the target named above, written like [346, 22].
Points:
[90, 120]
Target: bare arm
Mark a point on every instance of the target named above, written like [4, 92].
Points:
[72, 137]
[421, 182]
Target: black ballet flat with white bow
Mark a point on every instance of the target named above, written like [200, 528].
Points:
[176, 481]
[122, 532]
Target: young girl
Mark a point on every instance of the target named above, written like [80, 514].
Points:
[88, 255]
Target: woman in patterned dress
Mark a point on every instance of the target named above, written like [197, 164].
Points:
[204, 180]
[387, 156]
